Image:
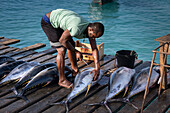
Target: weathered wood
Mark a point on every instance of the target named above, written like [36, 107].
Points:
[163, 39]
[7, 50]
[24, 54]
[6, 41]
[161, 104]
[41, 59]
[19, 51]
[1, 37]
[35, 46]
[3, 47]
[40, 54]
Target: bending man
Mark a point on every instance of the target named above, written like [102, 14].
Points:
[60, 26]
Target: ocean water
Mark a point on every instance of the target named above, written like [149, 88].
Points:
[129, 24]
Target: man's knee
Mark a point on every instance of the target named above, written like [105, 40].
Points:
[61, 51]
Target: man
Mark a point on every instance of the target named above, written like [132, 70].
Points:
[60, 26]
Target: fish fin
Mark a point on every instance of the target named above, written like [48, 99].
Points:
[46, 83]
[88, 89]
[108, 108]
[57, 103]
[126, 100]
[25, 83]
[126, 90]
[14, 90]
[65, 103]
[130, 103]
[17, 96]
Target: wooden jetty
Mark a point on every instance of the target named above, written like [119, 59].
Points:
[39, 98]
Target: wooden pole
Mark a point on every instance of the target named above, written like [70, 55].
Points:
[150, 73]
[163, 74]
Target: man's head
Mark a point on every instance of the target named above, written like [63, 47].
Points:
[95, 30]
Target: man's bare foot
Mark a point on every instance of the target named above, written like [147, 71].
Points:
[74, 73]
[65, 84]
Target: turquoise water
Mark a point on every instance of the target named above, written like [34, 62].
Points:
[129, 24]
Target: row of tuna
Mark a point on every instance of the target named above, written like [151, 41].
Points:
[119, 80]
[34, 74]
[27, 74]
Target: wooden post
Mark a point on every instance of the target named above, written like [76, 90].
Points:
[147, 86]
[162, 49]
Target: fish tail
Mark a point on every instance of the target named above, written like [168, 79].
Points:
[65, 103]
[107, 107]
[126, 100]
[66, 106]
[20, 95]
[14, 90]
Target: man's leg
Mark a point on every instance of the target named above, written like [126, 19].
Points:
[61, 65]
[73, 60]
[53, 37]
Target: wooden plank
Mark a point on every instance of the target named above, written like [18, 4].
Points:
[24, 54]
[40, 54]
[42, 58]
[161, 104]
[7, 41]
[163, 39]
[35, 46]
[19, 51]
[3, 47]
[7, 50]
[1, 37]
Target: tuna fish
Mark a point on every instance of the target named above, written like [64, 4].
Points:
[141, 80]
[6, 69]
[19, 72]
[119, 80]
[139, 84]
[5, 59]
[41, 79]
[82, 82]
[28, 76]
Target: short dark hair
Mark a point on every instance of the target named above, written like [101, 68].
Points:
[97, 27]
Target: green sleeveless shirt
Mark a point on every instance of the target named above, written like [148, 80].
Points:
[66, 19]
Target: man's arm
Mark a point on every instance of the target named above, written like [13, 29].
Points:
[64, 40]
[95, 54]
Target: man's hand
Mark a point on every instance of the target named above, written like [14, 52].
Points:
[79, 55]
[96, 74]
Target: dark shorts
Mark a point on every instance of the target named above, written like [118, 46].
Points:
[52, 33]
